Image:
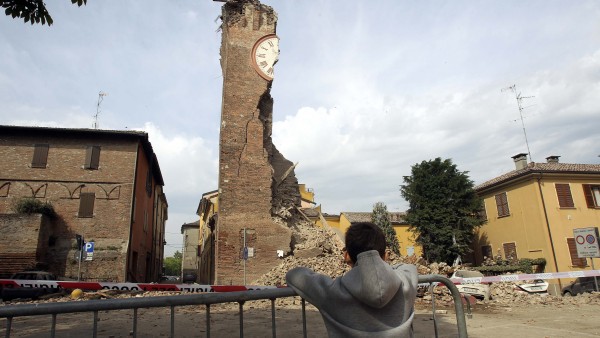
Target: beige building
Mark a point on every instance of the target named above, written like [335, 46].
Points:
[189, 254]
[531, 213]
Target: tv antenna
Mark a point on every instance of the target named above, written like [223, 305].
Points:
[101, 96]
[520, 98]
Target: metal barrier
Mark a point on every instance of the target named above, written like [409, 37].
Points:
[21, 310]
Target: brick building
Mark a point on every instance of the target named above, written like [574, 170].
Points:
[104, 185]
[254, 178]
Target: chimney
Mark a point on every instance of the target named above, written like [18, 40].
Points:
[552, 159]
[520, 161]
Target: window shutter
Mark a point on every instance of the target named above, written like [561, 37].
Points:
[589, 198]
[510, 251]
[565, 199]
[40, 156]
[86, 204]
[575, 260]
[502, 205]
[92, 157]
[482, 214]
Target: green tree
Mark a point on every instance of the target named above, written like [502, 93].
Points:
[33, 11]
[172, 265]
[443, 209]
[381, 218]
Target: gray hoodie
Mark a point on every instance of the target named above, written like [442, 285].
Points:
[373, 299]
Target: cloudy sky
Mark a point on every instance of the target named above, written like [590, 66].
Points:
[363, 90]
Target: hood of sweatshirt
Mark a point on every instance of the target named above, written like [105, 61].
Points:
[372, 281]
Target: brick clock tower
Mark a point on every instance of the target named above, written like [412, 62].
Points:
[247, 174]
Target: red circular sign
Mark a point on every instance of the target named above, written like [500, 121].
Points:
[579, 239]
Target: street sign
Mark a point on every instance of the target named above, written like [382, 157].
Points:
[586, 240]
[89, 251]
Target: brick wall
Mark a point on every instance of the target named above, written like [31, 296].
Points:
[62, 182]
[245, 172]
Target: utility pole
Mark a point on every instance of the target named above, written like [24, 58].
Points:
[520, 98]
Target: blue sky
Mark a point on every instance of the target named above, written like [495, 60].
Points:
[363, 90]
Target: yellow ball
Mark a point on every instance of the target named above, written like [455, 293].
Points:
[76, 294]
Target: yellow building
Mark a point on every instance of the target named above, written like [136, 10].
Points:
[207, 210]
[408, 247]
[531, 213]
[340, 223]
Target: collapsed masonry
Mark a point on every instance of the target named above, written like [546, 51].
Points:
[255, 180]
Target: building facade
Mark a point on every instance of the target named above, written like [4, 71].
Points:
[105, 186]
[532, 211]
[189, 254]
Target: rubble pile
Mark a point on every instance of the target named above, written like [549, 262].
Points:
[315, 248]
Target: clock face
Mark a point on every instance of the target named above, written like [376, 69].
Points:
[264, 55]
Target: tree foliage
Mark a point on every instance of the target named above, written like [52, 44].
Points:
[443, 209]
[172, 265]
[381, 218]
[33, 11]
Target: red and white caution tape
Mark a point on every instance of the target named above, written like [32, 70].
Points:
[94, 286]
[526, 276]
[198, 288]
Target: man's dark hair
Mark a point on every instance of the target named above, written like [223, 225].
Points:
[364, 236]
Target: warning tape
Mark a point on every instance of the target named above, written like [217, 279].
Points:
[95, 286]
[199, 288]
[526, 276]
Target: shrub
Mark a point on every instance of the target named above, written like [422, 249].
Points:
[30, 205]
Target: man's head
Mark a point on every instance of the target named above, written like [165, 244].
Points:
[364, 236]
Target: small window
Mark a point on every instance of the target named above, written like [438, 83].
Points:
[510, 251]
[149, 183]
[592, 195]
[563, 192]
[40, 156]
[486, 251]
[575, 260]
[502, 205]
[86, 204]
[92, 157]
[482, 214]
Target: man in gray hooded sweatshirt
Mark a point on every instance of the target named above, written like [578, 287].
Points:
[373, 299]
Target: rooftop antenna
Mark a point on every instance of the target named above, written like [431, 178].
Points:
[101, 96]
[520, 98]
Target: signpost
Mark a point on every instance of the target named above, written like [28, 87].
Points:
[89, 251]
[586, 240]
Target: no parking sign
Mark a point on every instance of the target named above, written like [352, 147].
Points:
[586, 240]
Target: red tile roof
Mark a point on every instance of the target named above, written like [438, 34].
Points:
[543, 168]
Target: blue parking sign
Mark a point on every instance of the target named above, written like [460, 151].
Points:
[89, 251]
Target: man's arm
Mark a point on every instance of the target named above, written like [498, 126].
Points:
[309, 285]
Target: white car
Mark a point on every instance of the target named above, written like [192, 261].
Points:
[538, 286]
[477, 290]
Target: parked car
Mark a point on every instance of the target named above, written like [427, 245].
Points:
[9, 293]
[189, 277]
[33, 275]
[476, 290]
[580, 285]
